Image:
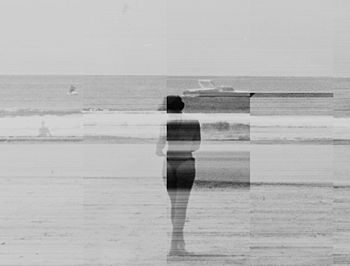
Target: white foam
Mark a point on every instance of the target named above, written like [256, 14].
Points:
[147, 125]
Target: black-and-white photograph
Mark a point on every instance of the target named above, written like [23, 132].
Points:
[174, 132]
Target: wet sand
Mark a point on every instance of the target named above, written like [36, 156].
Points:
[124, 221]
[235, 161]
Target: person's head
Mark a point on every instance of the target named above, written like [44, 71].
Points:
[174, 104]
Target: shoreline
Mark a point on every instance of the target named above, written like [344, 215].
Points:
[202, 184]
[132, 140]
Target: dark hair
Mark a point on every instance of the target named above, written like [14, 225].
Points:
[174, 104]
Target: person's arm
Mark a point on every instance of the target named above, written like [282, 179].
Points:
[161, 141]
[196, 137]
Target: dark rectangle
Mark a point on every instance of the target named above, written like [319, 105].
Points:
[217, 104]
[292, 95]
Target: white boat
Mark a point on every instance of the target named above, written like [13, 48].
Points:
[207, 88]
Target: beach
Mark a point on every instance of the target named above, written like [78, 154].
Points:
[123, 221]
[246, 162]
[90, 204]
[271, 186]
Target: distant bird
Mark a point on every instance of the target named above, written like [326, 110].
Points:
[72, 90]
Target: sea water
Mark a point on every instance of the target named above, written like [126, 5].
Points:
[127, 107]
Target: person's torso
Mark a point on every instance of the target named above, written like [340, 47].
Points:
[181, 133]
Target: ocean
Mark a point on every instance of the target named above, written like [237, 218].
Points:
[25, 94]
[123, 107]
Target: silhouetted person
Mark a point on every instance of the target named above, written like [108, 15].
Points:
[44, 131]
[183, 137]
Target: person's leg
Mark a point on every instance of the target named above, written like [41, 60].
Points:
[185, 177]
[171, 187]
[172, 196]
[172, 191]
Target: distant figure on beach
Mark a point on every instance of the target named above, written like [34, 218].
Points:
[72, 90]
[182, 137]
[44, 130]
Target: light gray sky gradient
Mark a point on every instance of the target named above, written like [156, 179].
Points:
[175, 37]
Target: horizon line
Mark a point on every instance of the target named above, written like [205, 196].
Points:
[155, 75]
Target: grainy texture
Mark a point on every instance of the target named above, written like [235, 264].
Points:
[124, 221]
[42, 221]
[341, 216]
[291, 225]
[291, 105]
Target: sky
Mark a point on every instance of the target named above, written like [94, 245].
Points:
[176, 37]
